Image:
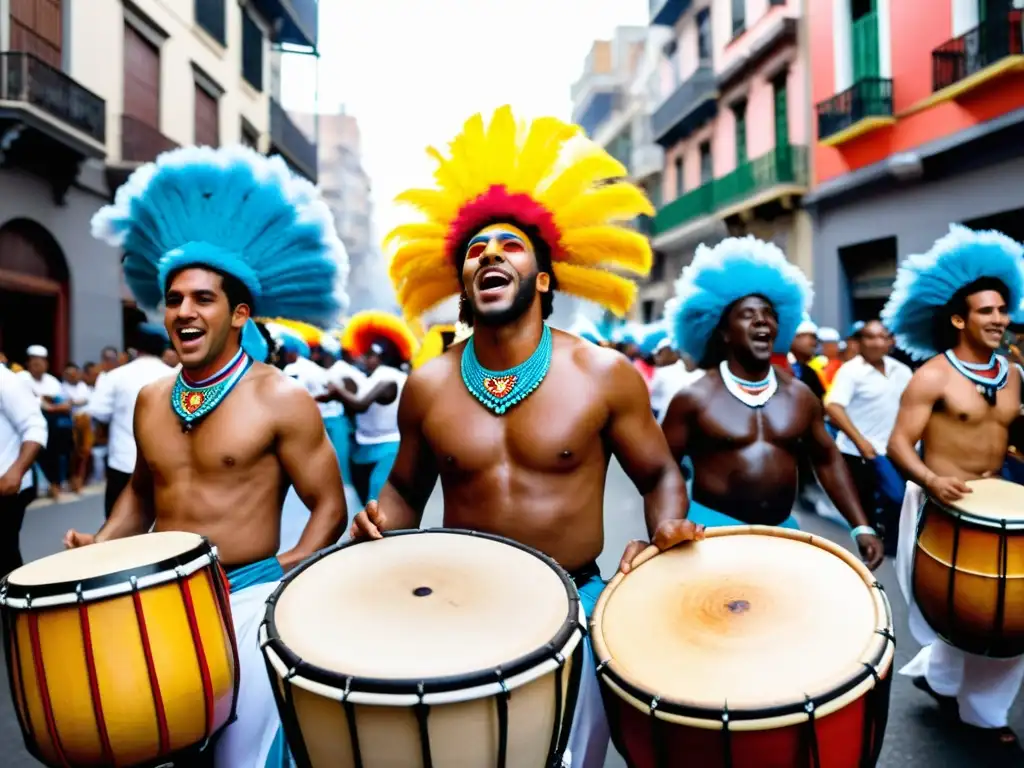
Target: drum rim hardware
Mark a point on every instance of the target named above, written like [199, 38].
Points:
[982, 521]
[874, 673]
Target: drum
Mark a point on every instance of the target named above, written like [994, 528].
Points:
[426, 648]
[121, 653]
[757, 647]
[969, 568]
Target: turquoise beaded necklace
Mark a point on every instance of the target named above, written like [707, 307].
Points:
[499, 391]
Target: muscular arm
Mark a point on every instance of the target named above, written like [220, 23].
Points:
[829, 465]
[919, 399]
[641, 449]
[383, 392]
[133, 512]
[678, 422]
[307, 456]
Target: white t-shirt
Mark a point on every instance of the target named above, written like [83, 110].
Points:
[113, 402]
[21, 421]
[380, 422]
[341, 371]
[45, 386]
[870, 399]
[666, 383]
[313, 379]
[77, 394]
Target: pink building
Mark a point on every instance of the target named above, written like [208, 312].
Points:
[734, 124]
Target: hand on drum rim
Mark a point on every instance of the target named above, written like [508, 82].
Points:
[667, 535]
[368, 523]
[73, 539]
[872, 551]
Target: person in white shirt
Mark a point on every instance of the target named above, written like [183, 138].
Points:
[343, 375]
[863, 403]
[23, 435]
[55, 459]
[113, 403]
[77, 392]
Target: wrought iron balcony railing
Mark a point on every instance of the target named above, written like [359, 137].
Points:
[141, 142]
[685, 208]
[868, 97]
[292, 142]
[27, 79]
[994, 39]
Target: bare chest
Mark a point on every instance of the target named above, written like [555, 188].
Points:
[727, 424]
[964, 403]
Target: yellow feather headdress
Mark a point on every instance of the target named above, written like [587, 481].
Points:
[545, 175]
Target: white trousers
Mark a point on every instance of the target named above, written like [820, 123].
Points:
[985, 688]
[588, 740]
[247, 742]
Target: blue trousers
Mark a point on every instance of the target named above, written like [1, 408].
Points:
[371, 465]
[712, 519]
[339, 432]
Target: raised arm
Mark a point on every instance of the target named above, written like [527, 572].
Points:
[414, 473]
[308, 457]
[641, 449]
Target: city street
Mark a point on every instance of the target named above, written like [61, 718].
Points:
[917, 735]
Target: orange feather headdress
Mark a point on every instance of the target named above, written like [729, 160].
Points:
[365, 328]
[545, 175]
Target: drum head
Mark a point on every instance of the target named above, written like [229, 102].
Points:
[105, 559]
[751, 620]
[995, 499]
[421, 605]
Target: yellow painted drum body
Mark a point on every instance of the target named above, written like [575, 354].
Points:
[969, 568]
[757, 647]
[121, 653]
[426, 649]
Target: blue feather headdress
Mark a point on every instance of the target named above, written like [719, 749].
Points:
[925, 282]
[720, 276]
[236, 211]
[586, 329]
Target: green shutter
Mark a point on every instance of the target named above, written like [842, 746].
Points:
[781, 114]
[741, 135]
[865, 46]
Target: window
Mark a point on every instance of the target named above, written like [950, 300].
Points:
[211, 15]
[739, 16]
[740, 112]
[250, 136]
[864, 30]
[252, 52]
[680, 185]
[781, 111]
[207, 127]
[707, 167]
[704, 35]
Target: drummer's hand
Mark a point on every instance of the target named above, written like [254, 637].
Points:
[73, 539]
[666, 536]
[948, 489]
[871, 550]
[368, 523]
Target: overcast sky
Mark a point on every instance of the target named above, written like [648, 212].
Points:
[412, 71]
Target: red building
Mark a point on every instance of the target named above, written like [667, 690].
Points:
[920, 123]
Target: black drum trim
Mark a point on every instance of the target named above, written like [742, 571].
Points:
[11, 591]
[995, 523]
[398, 687]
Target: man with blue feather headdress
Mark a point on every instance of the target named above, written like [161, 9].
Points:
[951, 306]
[216, 236]
[742, 424]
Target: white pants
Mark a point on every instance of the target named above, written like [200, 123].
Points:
[985, 688]
[588, 740]
[247, 742]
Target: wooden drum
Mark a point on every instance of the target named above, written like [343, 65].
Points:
[121, 653]
[434, 648]
[758, 647]
[969, 568]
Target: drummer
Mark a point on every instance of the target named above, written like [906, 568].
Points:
[743, 424]
[219, 444]
[951, 306]
[520, 421]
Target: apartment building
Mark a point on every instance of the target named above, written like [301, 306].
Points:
[91, 90]
[733, 121]
[920, 121]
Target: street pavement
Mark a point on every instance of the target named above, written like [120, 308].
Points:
[917, 736]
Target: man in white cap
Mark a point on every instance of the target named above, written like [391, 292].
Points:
[801, 355]
[23, 436]
[827, 363]
[57, 411]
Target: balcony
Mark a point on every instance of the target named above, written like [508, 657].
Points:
[647, 160]
[599, 107]
[667, 12]
[861, 108]
[49, 122]
[287, 140]
[296, 20]
[985, 53]
[760, 182]
[140, 143]
[694, 102]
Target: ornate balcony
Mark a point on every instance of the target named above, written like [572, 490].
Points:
[984, 53]
[287, 140]
[49, 123]
[691, 104]
[295, 20]
[863, 107]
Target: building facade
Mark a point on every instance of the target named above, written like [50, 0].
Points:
[92, 90]
[919, 124]
[733, 119]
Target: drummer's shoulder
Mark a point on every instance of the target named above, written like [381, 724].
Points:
[436, 374]
[932, 375]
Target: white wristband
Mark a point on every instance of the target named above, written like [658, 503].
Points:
[862, 530]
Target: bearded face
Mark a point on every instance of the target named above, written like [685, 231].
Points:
[500, 275]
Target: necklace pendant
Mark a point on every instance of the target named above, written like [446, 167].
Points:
[500, 386]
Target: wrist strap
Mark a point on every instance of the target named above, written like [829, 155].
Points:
[863, 530]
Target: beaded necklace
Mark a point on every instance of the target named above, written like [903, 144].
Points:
[753, 394]
[498, 391]
[193, 401]
[988, 386]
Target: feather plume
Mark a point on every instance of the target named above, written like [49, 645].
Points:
[365, 328]
[417, 298]
[609, 246]
[501, 146]
[581, 177]
[540, 152]
[435, 204]
[413, 251]
[417, 230]
[615, 293]
[615, 202]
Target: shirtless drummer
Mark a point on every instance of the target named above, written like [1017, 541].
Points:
[743, 424]
[951, 306]
[539, 413]
[216, 235]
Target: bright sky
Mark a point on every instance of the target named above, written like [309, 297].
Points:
[412, 71]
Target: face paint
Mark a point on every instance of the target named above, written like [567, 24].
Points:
[500, 273]
[498, 239]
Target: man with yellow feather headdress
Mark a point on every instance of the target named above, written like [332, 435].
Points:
[518, 213]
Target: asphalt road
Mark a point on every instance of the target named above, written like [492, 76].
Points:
[917, 736]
